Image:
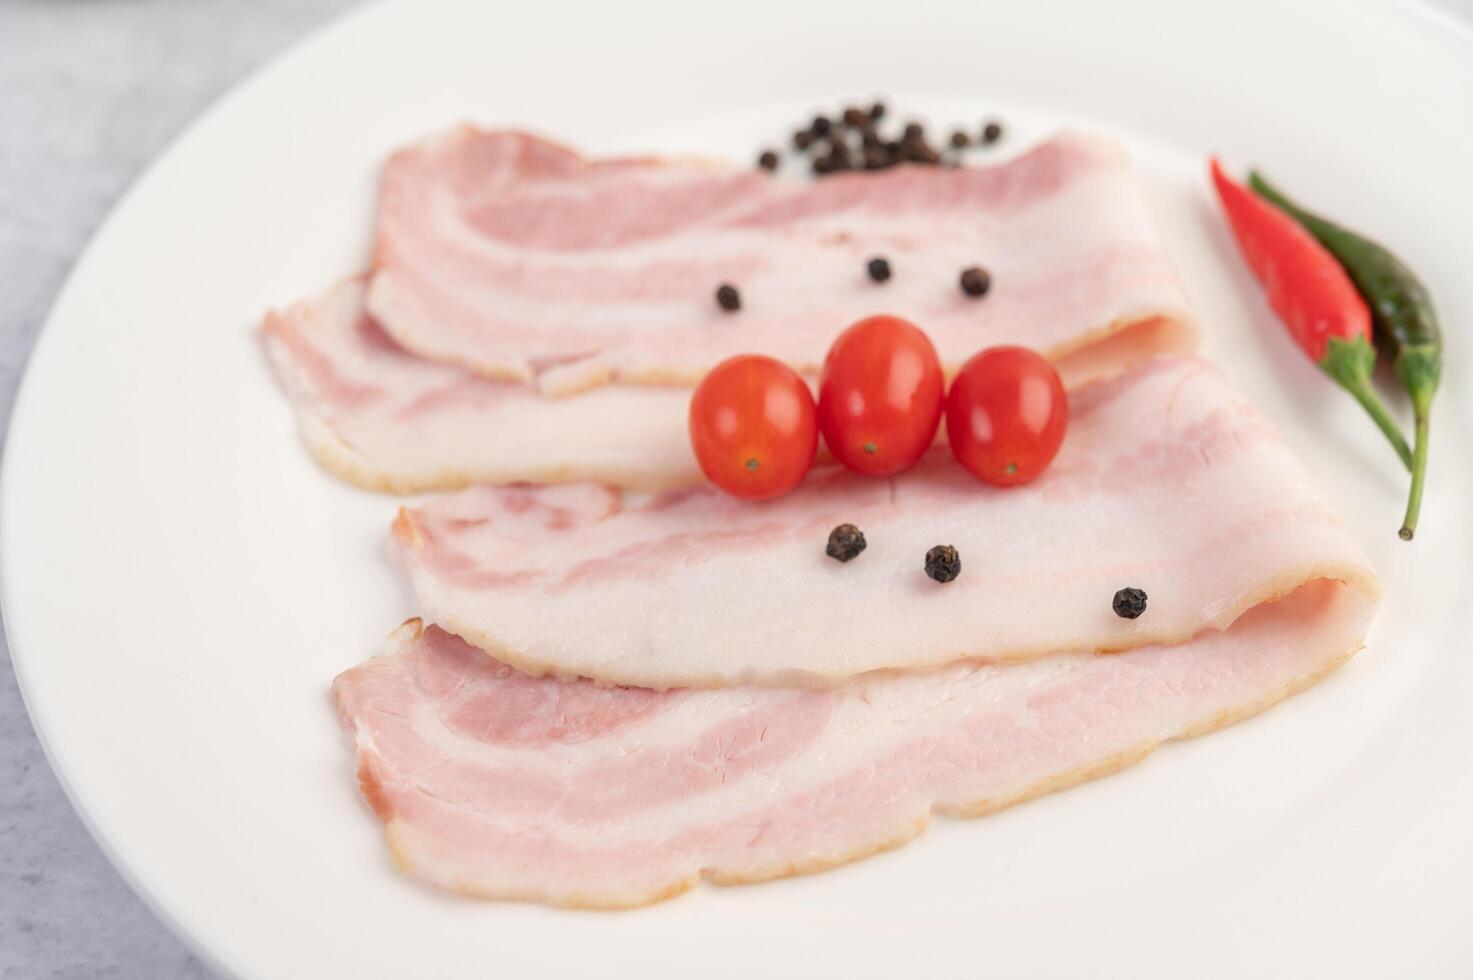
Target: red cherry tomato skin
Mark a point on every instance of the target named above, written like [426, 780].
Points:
[1006, 415]
[753, 427]
[880, 396]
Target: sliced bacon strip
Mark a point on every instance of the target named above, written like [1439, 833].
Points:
[522, 260]
[382, 418]
[1168, 481]
[498, 785]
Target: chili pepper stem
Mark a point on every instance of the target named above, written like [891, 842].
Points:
[1419, 472]
[1418, 367]
[1349, 363]
[1368, 399]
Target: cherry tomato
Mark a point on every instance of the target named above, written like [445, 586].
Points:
[879, 400]
[753, 427]
[1006, 414]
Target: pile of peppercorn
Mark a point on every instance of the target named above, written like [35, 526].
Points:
[854, 139]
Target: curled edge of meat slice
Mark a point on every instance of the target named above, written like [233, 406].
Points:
[1307, 635]
[383, 419]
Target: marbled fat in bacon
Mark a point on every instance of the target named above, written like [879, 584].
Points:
[495, 784]
[1168, 481]
[522, 260]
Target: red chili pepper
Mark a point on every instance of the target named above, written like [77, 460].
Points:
[1311, 293]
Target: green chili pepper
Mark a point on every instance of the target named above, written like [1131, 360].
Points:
[1401, 313]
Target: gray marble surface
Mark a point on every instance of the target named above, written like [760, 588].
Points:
[90, 90]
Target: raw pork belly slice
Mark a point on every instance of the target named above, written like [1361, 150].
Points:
[385, 419]
[520, 259]
[1168, 481]
[381, 418]
[496, 784]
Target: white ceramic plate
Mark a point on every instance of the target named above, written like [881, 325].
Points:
[181, 583]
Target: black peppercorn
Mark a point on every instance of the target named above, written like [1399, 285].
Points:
[728, 298]
[975, 282]
[845, 542]
[1129, 603]
[943, 563]
[924, 154]
[879, 269]
[850, 139]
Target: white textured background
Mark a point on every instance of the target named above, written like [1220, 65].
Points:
[90, 90]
